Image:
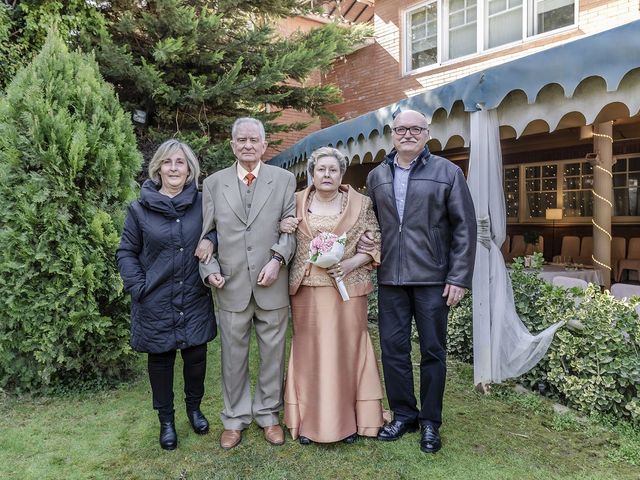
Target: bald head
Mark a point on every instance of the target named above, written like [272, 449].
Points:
[412, 116]
[410, 135]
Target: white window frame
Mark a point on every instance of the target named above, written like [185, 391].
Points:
[406, 42]
[446, 30]
[625, 218]
[532, 9]
[528, 35]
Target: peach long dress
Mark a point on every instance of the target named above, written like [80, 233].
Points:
[333, 385]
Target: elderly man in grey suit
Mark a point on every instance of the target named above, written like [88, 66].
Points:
[244, 205]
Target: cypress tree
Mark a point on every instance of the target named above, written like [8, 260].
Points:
[68, 158]
[24, 25]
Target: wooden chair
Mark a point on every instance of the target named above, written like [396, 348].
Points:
[632, 261]
[570, 248]
[586, 251]
[618, 252]
[518, 247]
[505, 247]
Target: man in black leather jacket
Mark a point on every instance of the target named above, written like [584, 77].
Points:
[428, 227]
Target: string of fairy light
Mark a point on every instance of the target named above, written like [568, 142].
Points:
[602, 199]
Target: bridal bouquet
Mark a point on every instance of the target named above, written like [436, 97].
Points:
[325, 251]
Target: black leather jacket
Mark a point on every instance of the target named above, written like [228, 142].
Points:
[436, 242]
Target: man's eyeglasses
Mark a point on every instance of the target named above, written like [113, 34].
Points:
[412, 130]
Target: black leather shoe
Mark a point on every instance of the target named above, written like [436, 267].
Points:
[304, 440]
[351, 438]
[395, 429]
[430, 439]
[198, 422]
[168, 435]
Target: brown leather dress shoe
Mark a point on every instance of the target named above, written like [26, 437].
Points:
[230, 438]
[274, 434]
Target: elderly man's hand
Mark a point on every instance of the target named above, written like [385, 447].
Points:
[454, 294]
[269, 273]
[216, 280]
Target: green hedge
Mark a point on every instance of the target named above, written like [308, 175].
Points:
[67, 162]
[595, 370]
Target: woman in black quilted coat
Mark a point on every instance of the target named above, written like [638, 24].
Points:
[171, 308]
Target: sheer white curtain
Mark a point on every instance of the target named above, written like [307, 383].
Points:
[502, 346]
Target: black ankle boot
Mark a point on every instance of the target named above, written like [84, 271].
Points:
[168, 435]
[198, 421]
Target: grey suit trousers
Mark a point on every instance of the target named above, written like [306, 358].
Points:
[235, 333]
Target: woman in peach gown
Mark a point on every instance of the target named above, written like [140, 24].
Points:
[333, 390]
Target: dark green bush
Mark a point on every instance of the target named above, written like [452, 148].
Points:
[68, 159]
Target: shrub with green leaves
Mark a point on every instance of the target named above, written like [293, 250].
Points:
[595, 370]
[67, 162]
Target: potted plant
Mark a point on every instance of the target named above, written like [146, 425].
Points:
[531, 239]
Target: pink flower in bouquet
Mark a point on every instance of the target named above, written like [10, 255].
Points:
[322, 243]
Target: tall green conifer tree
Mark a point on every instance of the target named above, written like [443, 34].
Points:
[194, 66]
[68, 158]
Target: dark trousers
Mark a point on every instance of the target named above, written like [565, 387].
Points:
[397, 305]
[160, 367]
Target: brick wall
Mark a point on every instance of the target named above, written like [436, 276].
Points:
[372, 77]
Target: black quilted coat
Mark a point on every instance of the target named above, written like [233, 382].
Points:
[171, 308]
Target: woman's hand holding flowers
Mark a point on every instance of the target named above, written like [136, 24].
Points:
[342, 268]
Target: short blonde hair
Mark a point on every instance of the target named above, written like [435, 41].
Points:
[166, 150]
[327, 152]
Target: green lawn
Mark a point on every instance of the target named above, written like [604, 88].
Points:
[113, 435]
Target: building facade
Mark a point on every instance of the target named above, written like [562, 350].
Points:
[562, 75]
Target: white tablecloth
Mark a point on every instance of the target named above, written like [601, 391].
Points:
[590, 275]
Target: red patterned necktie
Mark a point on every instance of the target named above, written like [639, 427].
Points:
[250, 177]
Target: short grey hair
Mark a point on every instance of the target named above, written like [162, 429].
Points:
[327, 152]
[251, 120]
[166, 150]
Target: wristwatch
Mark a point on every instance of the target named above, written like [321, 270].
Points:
[279, 258]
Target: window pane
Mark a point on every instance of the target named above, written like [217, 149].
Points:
[572, 183]
[577, 199]
[462, 28]
[533, 185]
[496, 6]
[620, 165]
[587, 182]
[539, 202]
[577, 204]
[423, 28]
[553, 14]
[620, 180]
[572, 169]
[549, 171]
[634, 164]
[456, 19]
[532, 172]
[505, 26]
[462, 41]
[625, 202]
[512, 191]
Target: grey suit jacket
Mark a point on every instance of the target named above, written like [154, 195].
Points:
[246, 242]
